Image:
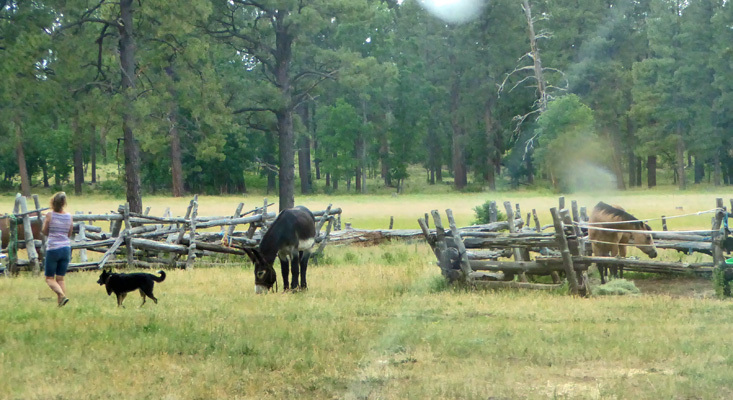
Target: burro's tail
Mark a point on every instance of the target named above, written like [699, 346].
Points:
[162, 277]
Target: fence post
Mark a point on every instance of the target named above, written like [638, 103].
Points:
[576, 250]
[81, 237]
[567, 259]
[128, 238]
[443, 256]
[513, 229]
[192, 235]
[462, 254]
[722, 284]
[492, 212]
[30, 243]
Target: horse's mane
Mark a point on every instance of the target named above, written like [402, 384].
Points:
[619, 214]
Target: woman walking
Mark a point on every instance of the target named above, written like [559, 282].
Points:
[58, 228]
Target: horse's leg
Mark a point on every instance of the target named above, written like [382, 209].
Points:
[621, 249]
[601, 267]
[622, 254]
[295, 269]
[284, 268]
[615, 253]
[304, 256]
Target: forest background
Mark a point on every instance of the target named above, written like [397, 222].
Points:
[328, 96]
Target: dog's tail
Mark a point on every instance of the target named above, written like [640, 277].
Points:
[162, 277]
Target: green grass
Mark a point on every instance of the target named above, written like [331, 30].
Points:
[376, 323]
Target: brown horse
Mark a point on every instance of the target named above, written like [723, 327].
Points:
[5, 231]
[607, 243]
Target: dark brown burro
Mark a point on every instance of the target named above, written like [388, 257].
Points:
[606, 243]
[290, 239]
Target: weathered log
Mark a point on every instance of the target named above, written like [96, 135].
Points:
[32, 254]
[518, 285]
[565, 251]
[500, 242]
[192, 243]
[234, 221]
[371, 237]
[463, 257]
[111, 250]
[92, 265]
[543, 266]
[159, 246]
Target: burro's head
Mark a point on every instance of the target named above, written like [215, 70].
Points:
[265, 276]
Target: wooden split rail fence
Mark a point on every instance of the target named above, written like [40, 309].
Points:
[473, 255]
[147, 241]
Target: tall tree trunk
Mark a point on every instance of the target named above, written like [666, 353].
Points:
[175, 138]
[78, 156]
[716, 167]
[270, 160]
[651, 171]
[286, 137]
[286, 181]
[384, 159]
[25, 181]
[632, 169]
[131, 148]
[681, 161]
[433, 151]
[44, 169]
[361, 185]
[304, 163]
[304, 150]
[618, 169]
[699, 169]
[93, 152]
[491, 150]
[459, 157]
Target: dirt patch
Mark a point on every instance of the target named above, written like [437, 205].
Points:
[676, 286]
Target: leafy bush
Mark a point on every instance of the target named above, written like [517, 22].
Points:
[483, 214]
[114, 185]
[616, 287]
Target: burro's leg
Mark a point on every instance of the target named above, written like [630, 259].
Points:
[304, 257]
[285, 269]
[295, 269]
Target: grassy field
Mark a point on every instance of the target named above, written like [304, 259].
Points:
[377, 323]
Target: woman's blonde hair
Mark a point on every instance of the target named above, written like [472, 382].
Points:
[58, 201]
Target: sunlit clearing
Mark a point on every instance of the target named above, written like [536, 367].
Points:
[454, 11]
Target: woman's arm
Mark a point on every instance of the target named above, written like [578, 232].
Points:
[71, 228]
[46, 221]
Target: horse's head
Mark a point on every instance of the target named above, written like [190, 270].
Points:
[265, 276]
[643, 241]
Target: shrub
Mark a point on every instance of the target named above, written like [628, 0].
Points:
[483, 214]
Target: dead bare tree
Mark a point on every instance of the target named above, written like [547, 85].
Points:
[544, 89]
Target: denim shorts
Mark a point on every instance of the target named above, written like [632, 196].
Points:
[57, 261]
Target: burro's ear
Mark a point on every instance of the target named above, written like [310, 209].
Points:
[259, 256]
[647, 227]
[251, 255]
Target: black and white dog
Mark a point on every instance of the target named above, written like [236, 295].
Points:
[121, 284]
